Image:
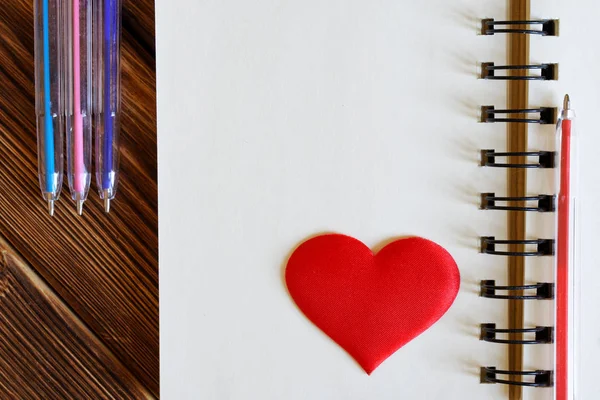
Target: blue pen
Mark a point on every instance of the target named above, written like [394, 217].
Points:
[49, 72]
[108, 63]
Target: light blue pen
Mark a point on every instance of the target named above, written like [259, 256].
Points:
[49, 78]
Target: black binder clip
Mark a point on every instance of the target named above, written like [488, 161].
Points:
[543, 291]
[548, 115]
[541, 378]
[546, 159]
[549, 27]
[544, 247]
[545, 203]
[548, 72]
[543, 334]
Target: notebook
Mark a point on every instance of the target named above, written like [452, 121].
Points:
[282, 121]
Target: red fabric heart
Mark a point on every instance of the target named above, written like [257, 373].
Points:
[371, 305]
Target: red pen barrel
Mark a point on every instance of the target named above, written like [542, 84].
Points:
[565, 261]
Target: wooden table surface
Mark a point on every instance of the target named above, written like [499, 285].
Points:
[78, 295]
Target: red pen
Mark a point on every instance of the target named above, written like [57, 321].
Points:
[565, 254]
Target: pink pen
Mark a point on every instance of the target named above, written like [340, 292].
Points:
[79, 98]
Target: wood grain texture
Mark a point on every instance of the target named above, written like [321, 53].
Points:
[518, 98]
[45, 352]
[104, 267]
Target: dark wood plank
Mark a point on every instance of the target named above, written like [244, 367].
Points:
[105, 267]
[45, 351]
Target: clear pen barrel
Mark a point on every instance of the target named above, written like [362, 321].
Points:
[79, 97]
[108, 38]
[49, 71]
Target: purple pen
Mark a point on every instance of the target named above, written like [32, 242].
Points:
[108, 64]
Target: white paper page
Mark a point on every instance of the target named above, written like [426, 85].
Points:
[282, 120]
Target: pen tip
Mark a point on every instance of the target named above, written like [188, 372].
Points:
[567, 102]
[51, 207]
[80, 207]
[106, 196]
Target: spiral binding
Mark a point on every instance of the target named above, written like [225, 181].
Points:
[543, 334]
[542, 378]
[541, 203]
[549, 27]
[545, 202]
[548, 72]
[543, 291]
[544, 247]
[546, 159]
[548, 115]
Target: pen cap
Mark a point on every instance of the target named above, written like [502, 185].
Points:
[78, 95]
[49, 35]
[108, 99]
